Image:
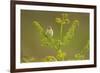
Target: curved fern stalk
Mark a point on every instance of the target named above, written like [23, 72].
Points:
[39, 27]
[71, 32]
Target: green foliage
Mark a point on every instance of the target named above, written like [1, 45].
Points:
[39, 27]
[31, 59]
[57, 44]
[79, 56]
[83, 53]
[49, 58]
[71, 32]
[44, 38]
[63, 19]
[60, 55]
[25, 60]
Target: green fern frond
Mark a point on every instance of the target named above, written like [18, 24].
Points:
[83, 53]
[60, 55]
[38, 26]
[70, 34]
[44, 38]
[49, 58]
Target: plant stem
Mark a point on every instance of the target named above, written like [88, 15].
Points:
[61, 32]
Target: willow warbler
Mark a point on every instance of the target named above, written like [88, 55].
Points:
[49, 31]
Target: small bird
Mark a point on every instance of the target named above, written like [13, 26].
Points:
[49, 31]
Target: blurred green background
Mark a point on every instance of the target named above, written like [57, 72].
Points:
[30, 40]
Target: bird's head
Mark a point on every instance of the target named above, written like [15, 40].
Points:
[49, 27]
